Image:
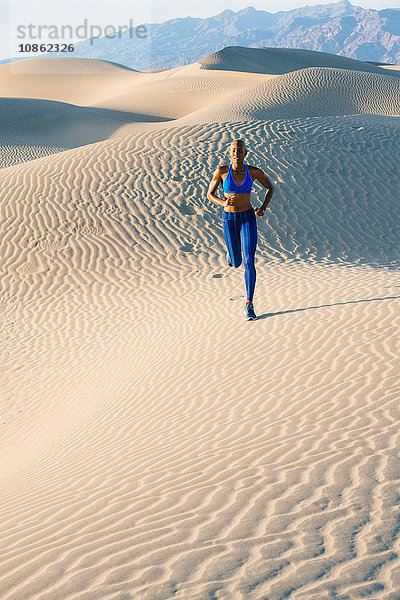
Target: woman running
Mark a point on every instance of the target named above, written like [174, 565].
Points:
[238, 217]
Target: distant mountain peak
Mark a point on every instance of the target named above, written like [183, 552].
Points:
[225, 12]
[246, 11]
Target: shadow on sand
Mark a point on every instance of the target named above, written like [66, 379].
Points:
[283, 312]
[31, 121]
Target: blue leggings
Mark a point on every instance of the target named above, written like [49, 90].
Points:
[240, 231]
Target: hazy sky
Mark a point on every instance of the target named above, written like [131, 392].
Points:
[118, 12]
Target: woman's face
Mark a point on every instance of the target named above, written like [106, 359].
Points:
[237, 151]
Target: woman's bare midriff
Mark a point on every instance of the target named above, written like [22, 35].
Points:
[238, 202]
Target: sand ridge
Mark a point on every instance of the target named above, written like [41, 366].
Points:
[281, 60]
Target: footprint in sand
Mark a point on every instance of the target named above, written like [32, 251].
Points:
[237, 297]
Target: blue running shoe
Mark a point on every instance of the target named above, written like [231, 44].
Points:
[228, 260]
[249, 312]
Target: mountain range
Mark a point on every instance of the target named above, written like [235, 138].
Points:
[339, 28]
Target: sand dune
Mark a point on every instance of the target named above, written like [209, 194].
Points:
[175, 93]
[112, 96]
[75, 80]
[391, 67]
[169, 93]
[280, 60]
[156, 446]
[312, 92]
[97, 104]
[32, 128]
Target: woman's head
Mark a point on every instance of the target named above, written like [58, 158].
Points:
[237, 150]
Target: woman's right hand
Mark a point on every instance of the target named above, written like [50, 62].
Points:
[229, 200]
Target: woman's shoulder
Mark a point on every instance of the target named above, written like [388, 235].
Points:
[255, 172]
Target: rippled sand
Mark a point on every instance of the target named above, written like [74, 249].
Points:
[154, 444]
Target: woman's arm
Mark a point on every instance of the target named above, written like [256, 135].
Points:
[215, 181]
[265, 182]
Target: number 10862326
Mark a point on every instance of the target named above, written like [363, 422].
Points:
[45, 48]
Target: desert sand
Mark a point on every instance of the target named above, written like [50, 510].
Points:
[154, 444]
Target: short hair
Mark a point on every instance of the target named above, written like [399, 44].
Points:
[238, 141]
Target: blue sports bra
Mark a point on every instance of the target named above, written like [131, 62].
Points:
[229, 185]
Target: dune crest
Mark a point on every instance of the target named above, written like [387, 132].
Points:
[280, 60]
